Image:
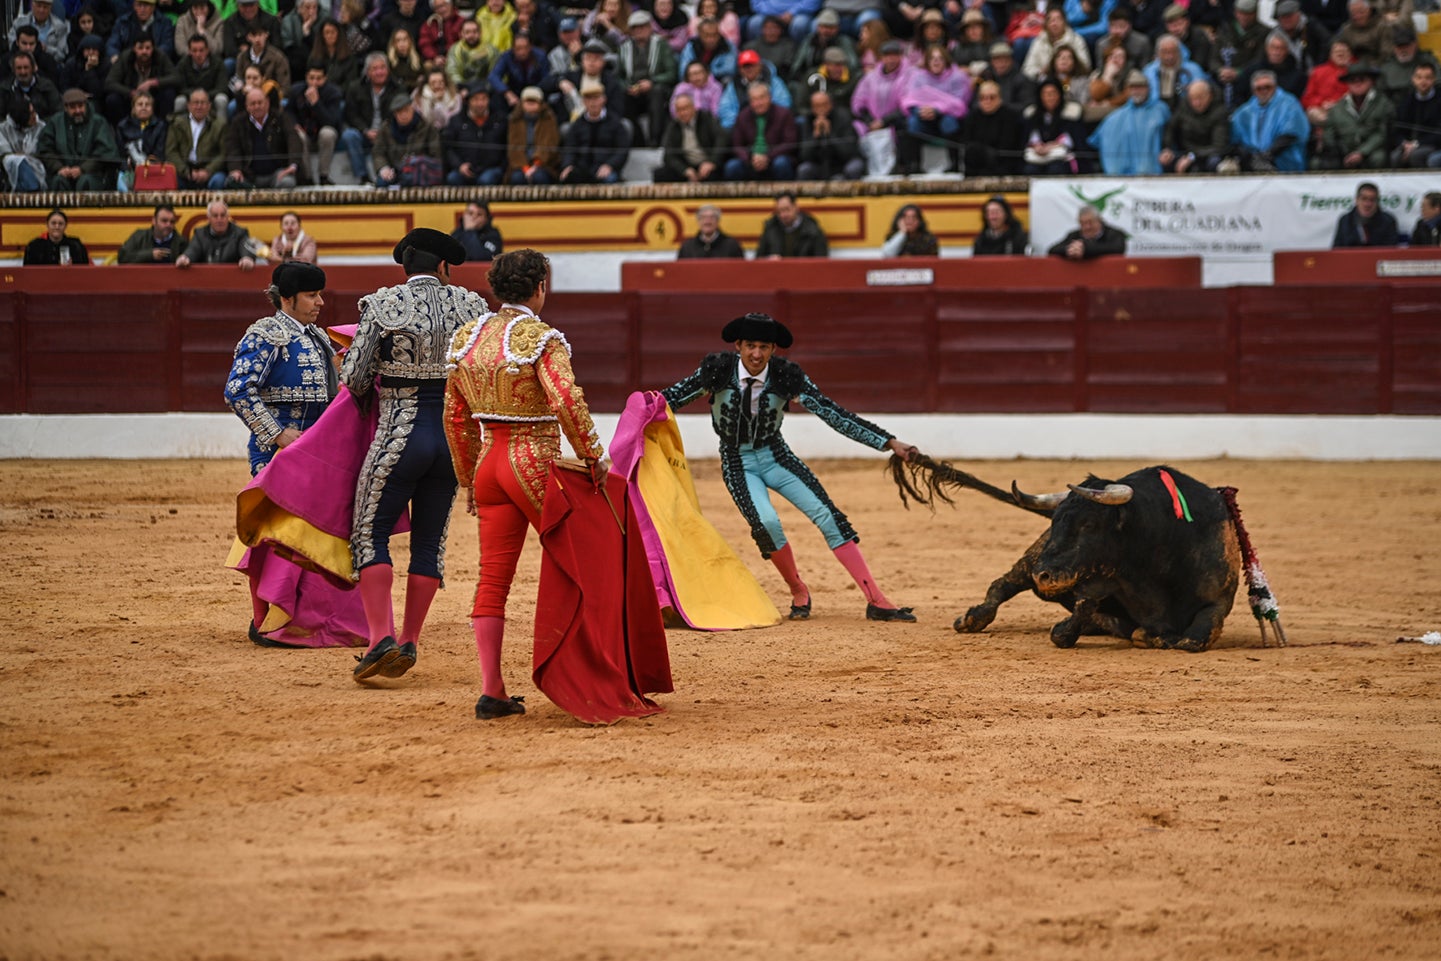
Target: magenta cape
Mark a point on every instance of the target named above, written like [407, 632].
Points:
[599, 643]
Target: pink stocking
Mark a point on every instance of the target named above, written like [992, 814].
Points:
[849, 554]
[375, 582]
[489, 635]
[785, 562]
[419, 592]
[258, 608]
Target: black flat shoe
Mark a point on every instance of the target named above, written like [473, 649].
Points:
[874, 613]
[260, 640]
[489, 708]
[800, 612]
[377, 660]
[405, 658]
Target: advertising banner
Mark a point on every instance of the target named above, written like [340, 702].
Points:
[1219, 218]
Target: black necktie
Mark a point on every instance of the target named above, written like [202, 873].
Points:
[748, 398]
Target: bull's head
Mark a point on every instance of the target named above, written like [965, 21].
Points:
[1083, 539]
[1111, 494]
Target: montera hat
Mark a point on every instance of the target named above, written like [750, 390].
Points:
[295, 276]
[758, 327]
[431, 241]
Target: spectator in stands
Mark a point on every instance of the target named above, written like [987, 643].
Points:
[139, 70]
[292, 243]
[565, 89]
[54, 247]
[1017, 91]
[811, 54]
[671, 24]
[220, 241]
[764, 140]
[1105, 89]
[910, 235]
[77, 147]
[829, 149]
[52, 31]
[539, 21]
[405, 15]
[1428, 225]
[1368, 35]
[519, 67]
[317, 113]
[26, 82]
[1309, 41]
[200, 67]
[972, 49]
[404, 59]
[727, 22]
[646, 68]
[606, 23]
[475, 142]
[237, 27]
[1358, 128]
[140, 20]
[356, 27]
[875, 35]
[1418, 122]
[1171, 72]
[991, 137]
[261, 149]
[596, 145]
[791, 232]
[693, 146]
[159, 243]
[437, 101]
[88, 23]
[1194, 41]
[1240, 42]
[750, 70]
[1051, 128]
[710, 242]
[775, 45]
[87, 72]
[795, 14]
[367, 108]
[469, 59]
[1002, 234]
[407, 149]
[932, 31]
[1057, 33]
[439, 32]
[1120, 32]
[1366, 224]
[1326, 85]
[1129, 139]
[876, 104]
[1398, 69]
[497, 22]
[298, 31]
[332, 51]
[532, 141]
[935, 99]
[711, 49]
[835, 78]
[1270, 130]
[140, 138]
[1089, 18]
[1092, 238]
[1198, 137]
[1064, 70]
[564, 57]
[703, 89]
[199, 19]
[477, 234]
[27, 41]
[261, 53]
[195, 144]
[1275, 57]
[19, 147]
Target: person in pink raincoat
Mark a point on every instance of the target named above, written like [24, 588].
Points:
[935, 101]
[876, 103]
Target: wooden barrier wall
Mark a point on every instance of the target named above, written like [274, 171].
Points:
[117, 345]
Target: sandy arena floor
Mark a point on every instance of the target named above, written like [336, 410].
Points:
[829, 790]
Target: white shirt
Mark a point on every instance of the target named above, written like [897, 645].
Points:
[760, 381]
[197, 127]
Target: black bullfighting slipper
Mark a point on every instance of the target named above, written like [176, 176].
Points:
[376, 660]
[800, 612]
[874, 613]
[260, 640]
[489, 708]
[405, 658]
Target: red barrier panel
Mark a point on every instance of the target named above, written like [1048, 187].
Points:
[1402, 266]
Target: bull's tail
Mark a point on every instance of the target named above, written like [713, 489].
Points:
[1263, 603]
[924, 481]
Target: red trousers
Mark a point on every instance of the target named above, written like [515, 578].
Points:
[509, 485]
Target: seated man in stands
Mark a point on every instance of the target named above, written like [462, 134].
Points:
[407, 150]
[763, 143]
[1417, 126]
[78, 148]
[195, 144]
[1366, 224]
[220, 241]
[710, 242]
[693, 146]
[532, 142]
[160, 243]
[992, 138]
[791, 232]
[829, 149]
[1271, 128]
[1092, 238]
[1129, 139]
[750, 69]
[596, 146]
[1198, 137]
[1428, 225]
[261, 149]
[141, 69]
[19, 147]
[316, 112]
[647, 69]
[1358, 128]
[474, 141]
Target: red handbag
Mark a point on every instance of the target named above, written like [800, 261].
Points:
[155, 177]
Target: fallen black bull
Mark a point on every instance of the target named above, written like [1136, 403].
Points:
[1154, 557]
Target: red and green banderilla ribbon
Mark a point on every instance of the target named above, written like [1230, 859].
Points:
[1178, 500]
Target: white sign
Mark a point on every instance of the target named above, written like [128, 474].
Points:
[1228, 218]
[900, 278]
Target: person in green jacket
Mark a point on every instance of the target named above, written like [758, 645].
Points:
[160, 243]
[791, 233]
[77, 147]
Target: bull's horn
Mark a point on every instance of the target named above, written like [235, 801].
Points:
[1039, 502]
[1113, 495]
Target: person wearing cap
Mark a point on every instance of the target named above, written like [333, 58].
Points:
[1198, 137]
[750, 71]
[19, 142]
[1357, 131]
[1398, 69]
[510, 396]
[1057, 33]
[517, 68]
[825, 37]
[400, 356]
[1129, 139]
[1270, 130]
[474, 141]
[1017, 90]
[749, 390]
[469, 59]
[834, 78]
[78, 148]
[564, 57]
[595, 147]
[439, 31]
[1308, 39]
[564, 91]
[693, 146]
[1172, 71]
[407, 151]
[141, 19]
[53, 31]
[1366, 224]
[1418, 121]
[1365, 32]
[1093, 237]
[247, 14]
[797, 15]
[497, 20]
[532, 142]
[1195, 40]
[261, 148]
[646, 68]
[972, 47]
[1240, 42]
[876, 103]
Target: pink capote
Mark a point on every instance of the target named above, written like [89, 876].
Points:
[626, 449]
